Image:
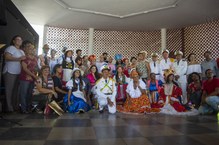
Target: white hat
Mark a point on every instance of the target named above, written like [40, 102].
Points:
[165, 50]
[178, 52]
[105, 67]
[75, 69]
[69, 49]
[145, 52]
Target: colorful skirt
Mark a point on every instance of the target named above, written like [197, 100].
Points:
[77, 104]
[137, 105]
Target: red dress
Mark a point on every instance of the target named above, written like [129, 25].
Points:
[173, 98]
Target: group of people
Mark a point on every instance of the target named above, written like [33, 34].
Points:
[136, 85]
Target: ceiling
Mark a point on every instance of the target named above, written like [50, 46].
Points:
[131, 15]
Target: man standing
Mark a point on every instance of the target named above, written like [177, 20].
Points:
[106, 91]
[79, 53]
[165, 64]
[208, 63]
[44, 59]
[155, 65]
[210, 95]
[180, 68]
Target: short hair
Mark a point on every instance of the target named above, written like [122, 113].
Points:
[12, 43]
[207, 52]
[207, 71]
[133, 58]
[105, 53]
[25, 43]
[78, 50]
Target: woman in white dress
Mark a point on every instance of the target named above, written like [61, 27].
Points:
[193, 65]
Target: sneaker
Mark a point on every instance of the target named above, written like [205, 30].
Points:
[101, 111]
[39, 111]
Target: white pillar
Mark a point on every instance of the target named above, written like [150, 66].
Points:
[90, 41]
[163, 39]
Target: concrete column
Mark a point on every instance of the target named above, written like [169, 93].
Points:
[90, 41]
[163, 39]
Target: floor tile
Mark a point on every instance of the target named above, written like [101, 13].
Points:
[191, 129]
[75, 116]
[37, 123]
[4, 123]
[140, 121]
[41, 116]
[173, 140]
[71, 142]
[108, 122]
[22, 142]
[207, 139]
[116, 132]
[73, 123]
[137, 141]
[112, 141]
[71, 133]
[25, 134]
[156, 130]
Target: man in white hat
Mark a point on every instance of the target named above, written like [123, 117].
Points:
[165, 64]
[155, 65]
[180, 68]
[106, 91]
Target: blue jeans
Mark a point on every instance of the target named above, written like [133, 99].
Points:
[26, 90]
[212, 104]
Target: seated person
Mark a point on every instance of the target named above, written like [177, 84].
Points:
[210, 96]
[137, 101]
[154, 89]
[75, 101]
[171, 95]
[60, 90]
[106, 91]
[45, 92]
[194, 91]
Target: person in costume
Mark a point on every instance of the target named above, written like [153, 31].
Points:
[92, 59]
[154, 86]
[171, 95]
[137, 101]
[121, 83]
[106, 91]
[118, 58]
[180, 69]
[68, 65]
[76, 100]
[126, 67]
[165, 63]
[155, 65]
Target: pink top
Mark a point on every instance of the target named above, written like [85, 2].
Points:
[91, 79]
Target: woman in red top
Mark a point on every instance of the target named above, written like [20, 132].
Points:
[27, 76]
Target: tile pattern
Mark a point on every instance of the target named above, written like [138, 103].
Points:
[106, 129]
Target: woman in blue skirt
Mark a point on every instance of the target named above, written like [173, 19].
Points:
[76, 100]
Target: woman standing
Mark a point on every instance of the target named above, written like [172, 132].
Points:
[53, 60]
[27, 77]
[13, 56]
[76, 101]
[193, 65]
[121, 83]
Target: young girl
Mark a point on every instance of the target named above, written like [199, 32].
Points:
[121, 83]
[76, 101]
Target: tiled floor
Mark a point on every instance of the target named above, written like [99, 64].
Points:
[105, 129]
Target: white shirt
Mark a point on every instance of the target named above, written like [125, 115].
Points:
[194, 68]
[180, 68]
[164, 64]
[135, 93]
[155, 68]
[101, 90]
[78, 93]
[13, 67]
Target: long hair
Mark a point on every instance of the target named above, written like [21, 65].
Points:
[75, 85]
[96, 74]
[190, 77]
[55, 68]
[190, 56]
[117, 74]
[168, 80]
